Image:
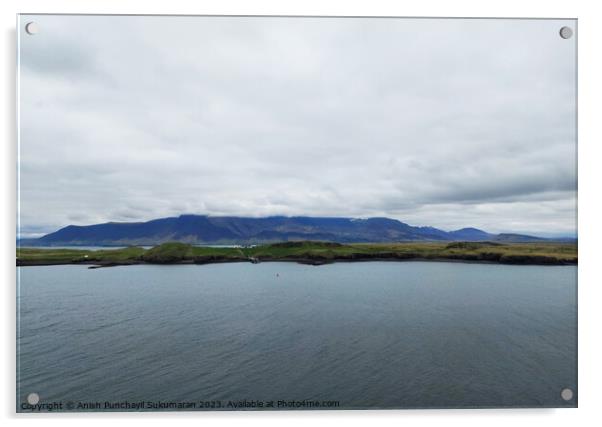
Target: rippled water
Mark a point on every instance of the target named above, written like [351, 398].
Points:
[372, 334]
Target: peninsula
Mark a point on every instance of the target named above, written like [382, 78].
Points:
[309, 252]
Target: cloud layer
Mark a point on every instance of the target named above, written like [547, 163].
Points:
[449, 123]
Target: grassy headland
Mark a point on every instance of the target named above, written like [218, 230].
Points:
[307, 252]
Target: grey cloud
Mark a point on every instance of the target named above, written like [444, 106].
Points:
[448, 123]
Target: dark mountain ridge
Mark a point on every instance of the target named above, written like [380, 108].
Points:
[201, 229]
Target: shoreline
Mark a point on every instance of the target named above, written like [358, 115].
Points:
[303, 261]
[309, 253]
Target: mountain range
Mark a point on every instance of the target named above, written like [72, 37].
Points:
[201, 229]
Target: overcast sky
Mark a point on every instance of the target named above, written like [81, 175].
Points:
[448, 123]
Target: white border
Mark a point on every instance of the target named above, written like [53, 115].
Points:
[590, 138]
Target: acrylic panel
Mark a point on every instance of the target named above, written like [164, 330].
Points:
[295, 213]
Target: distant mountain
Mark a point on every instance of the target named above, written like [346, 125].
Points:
[517, 238]
[472, 234]
[201, 229]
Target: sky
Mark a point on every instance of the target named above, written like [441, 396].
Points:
[440, 122]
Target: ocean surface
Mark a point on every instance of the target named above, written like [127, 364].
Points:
[346, 335]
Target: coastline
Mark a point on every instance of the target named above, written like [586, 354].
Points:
[307, 252]
[304, 261]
